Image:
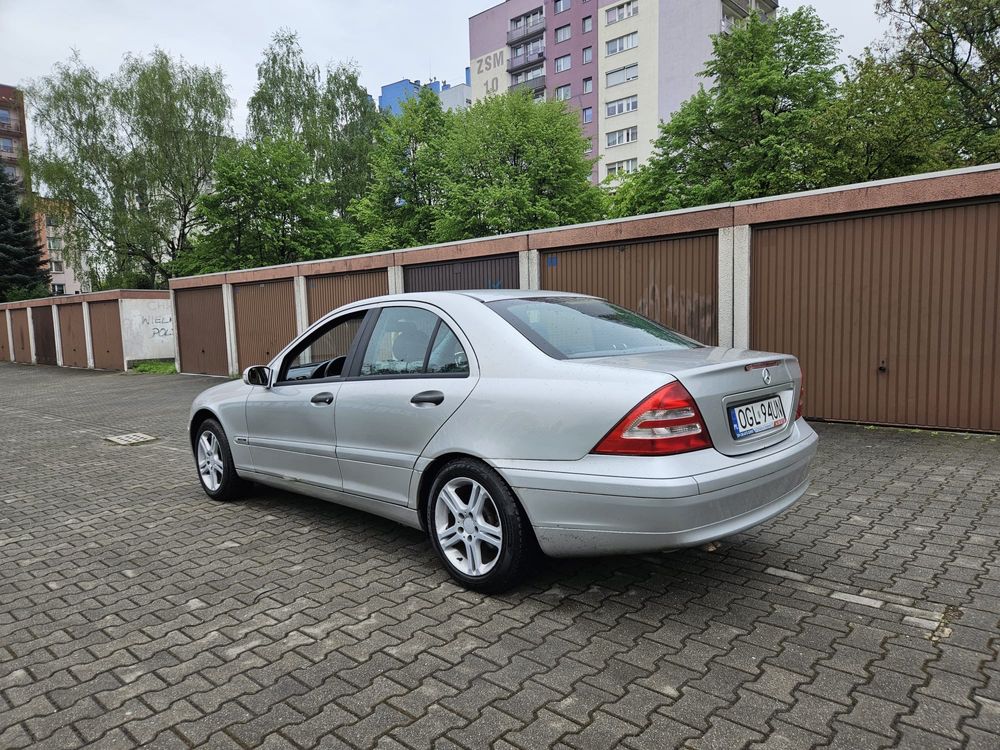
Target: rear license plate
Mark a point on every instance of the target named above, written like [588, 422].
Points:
[757, 417]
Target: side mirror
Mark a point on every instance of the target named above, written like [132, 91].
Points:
[257, 375]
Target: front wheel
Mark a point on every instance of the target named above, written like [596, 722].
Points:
[216, 469]
[477, 527]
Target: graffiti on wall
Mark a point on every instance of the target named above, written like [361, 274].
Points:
[159, 326]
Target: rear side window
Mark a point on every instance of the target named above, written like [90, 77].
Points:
[412, 341]
[578, 327]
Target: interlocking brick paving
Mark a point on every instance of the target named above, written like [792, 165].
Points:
[135, 612]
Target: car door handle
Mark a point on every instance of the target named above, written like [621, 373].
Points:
[431, 398]
[322, 398]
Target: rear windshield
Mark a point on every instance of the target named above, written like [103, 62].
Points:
[578, 327]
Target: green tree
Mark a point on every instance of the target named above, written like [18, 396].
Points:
[758, 130]
[403, 199]
[22, 273]
[956, 42]
[265, 209]
[511, 164]
[131, 153]
[328, 111]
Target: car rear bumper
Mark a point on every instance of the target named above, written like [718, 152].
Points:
[641, 505]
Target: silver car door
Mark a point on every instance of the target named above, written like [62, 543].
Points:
[290, 424]
[414, 373]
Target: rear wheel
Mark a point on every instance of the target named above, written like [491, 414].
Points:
[216, 469]
[478, 528]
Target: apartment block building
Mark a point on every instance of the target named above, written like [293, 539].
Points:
[453, 96]
[13, 147]
[625, 65]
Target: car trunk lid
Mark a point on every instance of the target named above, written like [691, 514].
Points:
[721, 379]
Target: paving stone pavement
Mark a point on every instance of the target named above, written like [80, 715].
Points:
[136, 612]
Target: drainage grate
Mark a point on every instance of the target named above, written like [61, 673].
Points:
[130, 439]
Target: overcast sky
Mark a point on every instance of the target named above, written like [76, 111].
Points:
[389, 39]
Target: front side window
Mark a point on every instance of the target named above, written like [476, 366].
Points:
[562, 63]
[324, 353]
[578, 327]
[562, 33]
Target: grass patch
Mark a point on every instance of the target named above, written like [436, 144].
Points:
[155, 367]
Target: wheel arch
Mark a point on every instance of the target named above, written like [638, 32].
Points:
[197, 419]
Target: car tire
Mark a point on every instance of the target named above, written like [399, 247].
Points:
[465, 535]
[218, 478]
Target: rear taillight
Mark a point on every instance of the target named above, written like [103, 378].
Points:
[802, 396]
[665, 422]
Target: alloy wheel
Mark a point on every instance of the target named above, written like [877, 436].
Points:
[468, 528]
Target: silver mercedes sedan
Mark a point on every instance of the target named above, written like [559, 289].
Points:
[504, 423]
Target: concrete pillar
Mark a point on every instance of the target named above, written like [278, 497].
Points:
[177, 349]
[87, 335]
[58, 332]
[741, 286]
[725, 309]
[229, 313]
[528, 270]
[31, 335]
[396, 285]
[10, 337]
[301, 304]
[121, 327]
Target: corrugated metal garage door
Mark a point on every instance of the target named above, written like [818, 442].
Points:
[45, 335]
[495, 272]
[201, 331]
[4, 341]
[72, 335]
[19, 327]
[673, 281]
[106, 335]
[895, 317]
[265, 320]
[327, 293]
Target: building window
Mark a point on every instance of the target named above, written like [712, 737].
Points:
[626, 135]
[621, 75]
[588, 115]
[5, 116]
[562, 63]
[621, 106]
[588, 85]
[626, 166]
[623, 43]
[51, 221]
[10, 171]
[528, 75]
[55, 243]
[563, 93]
[535, 45]
[6, 144]
[588, 24]
[588, 54]
[561, 5]
[623, 11]
[562, 33]
[590, 146]
[58, 289]
[57, 266]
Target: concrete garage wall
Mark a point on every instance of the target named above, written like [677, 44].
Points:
[99, 329]
[147, 329]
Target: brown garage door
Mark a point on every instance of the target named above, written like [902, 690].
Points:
[201, 331]
[497, 272]
[327, 293]
[4, 341]
[673, 281]
[72, 335]
[265, 320]
[22, 344]
[45, 335]
[895, 317]
[106, 335]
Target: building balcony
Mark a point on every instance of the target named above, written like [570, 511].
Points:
[525, 30]
[515, 64]
[533, 84]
